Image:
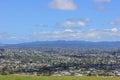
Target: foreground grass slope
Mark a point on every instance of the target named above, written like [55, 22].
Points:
[22, 77]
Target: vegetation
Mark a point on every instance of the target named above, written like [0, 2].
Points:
[23, 77]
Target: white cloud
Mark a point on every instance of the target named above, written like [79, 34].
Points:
[69, 34]
[74, 22]
[68, 30]
[41, 25]
[100, 6]
[63, 5]
[112, 23]
[102, 1]
[115, 22]
[87, 19]
[114, 30]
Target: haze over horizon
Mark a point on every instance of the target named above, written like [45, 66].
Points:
[50, 20]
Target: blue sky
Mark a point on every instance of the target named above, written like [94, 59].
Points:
[41, 20]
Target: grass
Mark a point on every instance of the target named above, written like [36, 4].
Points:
[23, 77]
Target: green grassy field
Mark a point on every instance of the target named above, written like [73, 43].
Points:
[23, 77]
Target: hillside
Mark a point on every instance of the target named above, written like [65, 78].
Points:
[23, 77]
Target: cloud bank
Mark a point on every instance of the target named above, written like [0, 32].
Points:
[69, 34]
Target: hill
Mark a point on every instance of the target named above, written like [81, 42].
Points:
[67, 44]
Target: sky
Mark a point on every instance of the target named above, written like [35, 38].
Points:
[49, 20]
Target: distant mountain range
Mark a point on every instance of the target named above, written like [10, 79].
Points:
[67, 44]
